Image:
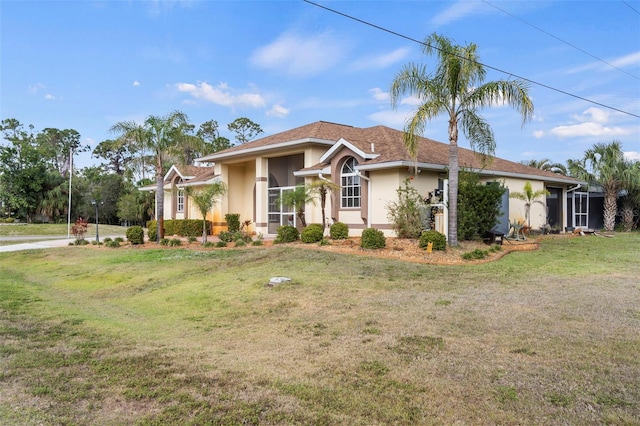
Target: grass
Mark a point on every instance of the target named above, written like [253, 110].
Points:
[172, 336]
[46, 230]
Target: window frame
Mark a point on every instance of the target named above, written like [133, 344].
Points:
[350, 184]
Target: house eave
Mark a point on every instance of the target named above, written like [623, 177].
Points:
[259, 149]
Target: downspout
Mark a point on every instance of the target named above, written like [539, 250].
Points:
[369, 199]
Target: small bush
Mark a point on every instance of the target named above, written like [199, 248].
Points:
[112, 244]
[286, 234]
[233, 222]
[106, 240]
[135, 235]
[372, 239]
[175, 242]
[152, 230]
[164, 242]
[339, 231]
[312, 233]
[221, 244]
[475, 254]
[119, 239]
[257, 243]
[209, 244]
[439, 240]
[192, 239]
[324, 242]
[240, 242]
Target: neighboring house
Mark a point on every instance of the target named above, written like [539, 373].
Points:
[369, 164]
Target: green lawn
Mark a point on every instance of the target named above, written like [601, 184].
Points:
[171, 336]
[16, 233]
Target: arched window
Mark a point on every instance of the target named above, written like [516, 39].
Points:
[350, 183]
[179, 198]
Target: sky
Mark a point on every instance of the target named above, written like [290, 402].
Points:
[87, 65]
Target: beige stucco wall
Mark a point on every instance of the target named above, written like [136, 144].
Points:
[517, 207]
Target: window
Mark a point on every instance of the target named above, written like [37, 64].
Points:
[350, 182]
[180, 200]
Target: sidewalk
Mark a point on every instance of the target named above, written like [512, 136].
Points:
[36, 245]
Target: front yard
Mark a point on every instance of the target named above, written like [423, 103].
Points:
[177, 336]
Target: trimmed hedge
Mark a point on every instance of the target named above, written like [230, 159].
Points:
[286, 234]
[135, 235]
[180, 227]
[339, 231]
[372, 239]
[233, 222]
[439, 240]
[312, 233]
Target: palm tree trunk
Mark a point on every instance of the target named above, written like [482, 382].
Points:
[454, 170]
[160, 198]
[627, 218]
[610, 210]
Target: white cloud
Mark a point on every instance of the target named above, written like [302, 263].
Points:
[457, 11]
[379, 94]
[300, 56]
[632, 155]
[587, 129]
[278, 111]
[411, 100]
[538, 134]
[593, 114]
[36, 87]
[623, 61]
[390, 118]
[619, 62]
[136, 83]
[381, 61]
[221, 95]
[49, 97]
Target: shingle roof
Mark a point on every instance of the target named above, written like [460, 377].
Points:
[388, 144]
[193, 174]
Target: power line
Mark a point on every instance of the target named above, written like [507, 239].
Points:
[559, 39]
[631, 7]
[528, 80]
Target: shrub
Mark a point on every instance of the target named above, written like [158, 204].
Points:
[175, 242]
[152, 230]
[209, 244]
[439, 240]
[257, 243]
[119, 239]
[233, 222]
[221, 244]
[226, 236]
[475, 254]
[106, 240]
[372, 239]
[112, 244]
[339, 231]
[192, 239]
[164, 242]
[312, 233]
[479, 205]
[406, 213]
[240, 242]
[135, 235]
[324, 242]
[286, 234]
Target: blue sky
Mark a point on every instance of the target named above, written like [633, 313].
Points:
[87, 65]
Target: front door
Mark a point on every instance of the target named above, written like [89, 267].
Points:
[580, 209]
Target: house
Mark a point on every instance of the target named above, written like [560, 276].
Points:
[369, 165]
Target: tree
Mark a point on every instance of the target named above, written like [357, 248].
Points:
[456, 89]
[631, 199]
[479, 205]
[118, 153]
[204, 200]
[297, 198]
[547, 165]
[56, 146]
[162, 137]
[244, 129]
[213, 142]
[604, 165]
[529, 196]
[322, 188]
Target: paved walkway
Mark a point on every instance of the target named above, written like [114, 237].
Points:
[50, 242]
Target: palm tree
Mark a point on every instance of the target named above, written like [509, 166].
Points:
[205, 199]
[456, 89]
[529, 196]
[297, 198]
[322, 188]
[162, 137]
[604, 165]
[546, 164]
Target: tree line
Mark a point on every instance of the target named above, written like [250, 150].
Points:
[35, 166]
